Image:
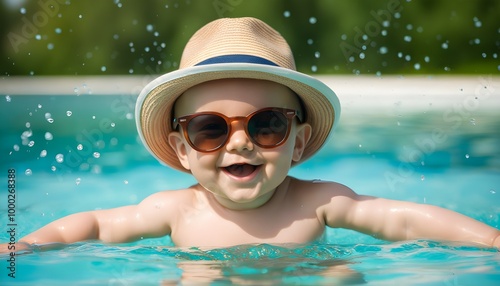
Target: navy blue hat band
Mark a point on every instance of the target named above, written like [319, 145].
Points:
[236, 59]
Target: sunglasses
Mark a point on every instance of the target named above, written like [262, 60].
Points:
[209, 131]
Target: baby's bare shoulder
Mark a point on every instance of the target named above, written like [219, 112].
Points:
[170, 197]
[319, 188]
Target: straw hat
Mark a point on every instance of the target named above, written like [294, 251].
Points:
[232, 48]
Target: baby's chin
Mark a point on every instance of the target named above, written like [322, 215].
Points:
[239, 198]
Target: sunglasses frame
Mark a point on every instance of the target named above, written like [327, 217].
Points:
[183, 121]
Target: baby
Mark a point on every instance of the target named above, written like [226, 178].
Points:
[238, 116]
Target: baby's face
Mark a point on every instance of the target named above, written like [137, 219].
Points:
[241, 174]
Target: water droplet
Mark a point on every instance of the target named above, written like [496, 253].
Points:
[59, 158]
[15, 147]
[50, 120]
[310, 41]
[407, 39]
[28, 125]
[112, 124]
[444, 46]
[26, 134]
[416, 66]
[383, 50]
[149, 28]
[43, 153]
[78, 181]
[360, 145]
[58, 30]
[31, 143]
[22, 10]
[477, 23]
[472, 121]
[103, 68]
[317, 55]
[53, 168]
[422, 177]
[80, 16]
[28, 172]
[467, 156]
[313, 20]
[48, 136]
[129, 116]
[314, 68]
[48, 115]
[79, 147]
[125, 182]
[38, 37]
[50, 46]
[69, 113]
[97, 155]
[286, 14]
[493, 191]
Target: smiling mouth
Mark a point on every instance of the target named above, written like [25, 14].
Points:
[241, 170]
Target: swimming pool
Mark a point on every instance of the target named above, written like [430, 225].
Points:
[73, 146]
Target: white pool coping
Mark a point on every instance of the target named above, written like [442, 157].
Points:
[356, 93]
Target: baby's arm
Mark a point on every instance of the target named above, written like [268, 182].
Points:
[123, 224]
[399, 220]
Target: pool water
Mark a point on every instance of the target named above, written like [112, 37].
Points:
[77, 153]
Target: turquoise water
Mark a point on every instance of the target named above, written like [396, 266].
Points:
[387, 155]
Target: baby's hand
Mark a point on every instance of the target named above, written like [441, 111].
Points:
[496, 243]
[6, 248]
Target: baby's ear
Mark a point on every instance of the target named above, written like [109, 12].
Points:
[302, 136]
[177, 143]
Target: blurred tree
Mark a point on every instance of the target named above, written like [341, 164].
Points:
[64, 37]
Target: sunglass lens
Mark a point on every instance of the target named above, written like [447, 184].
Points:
[207, 132]
[268, 128]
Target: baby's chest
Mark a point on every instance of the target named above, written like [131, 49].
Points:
[215, 230]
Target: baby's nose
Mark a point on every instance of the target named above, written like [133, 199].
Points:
[238, 139]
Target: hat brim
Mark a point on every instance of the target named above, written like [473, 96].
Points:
[155, 102]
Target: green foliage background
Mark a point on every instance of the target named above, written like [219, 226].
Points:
[76, 37]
